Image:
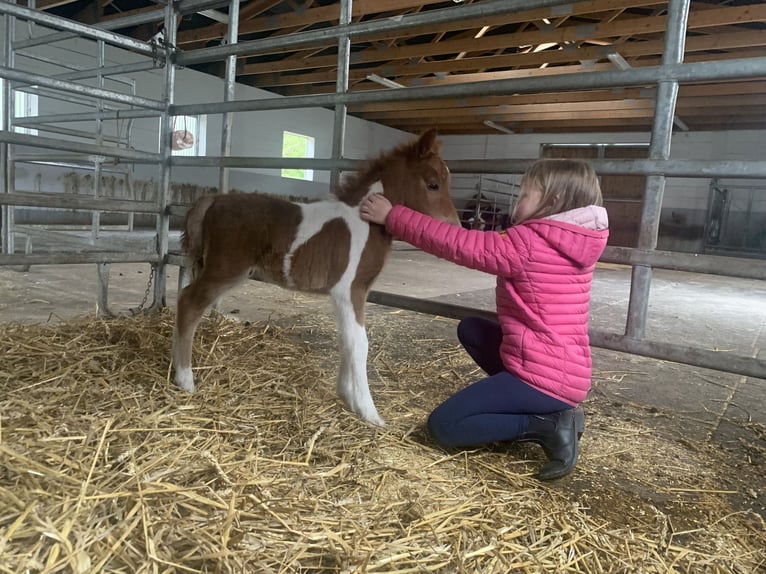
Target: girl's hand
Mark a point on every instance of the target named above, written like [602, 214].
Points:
[375, 208]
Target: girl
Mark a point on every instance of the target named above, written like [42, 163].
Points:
[537, 356]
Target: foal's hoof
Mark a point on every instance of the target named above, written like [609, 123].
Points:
[185, 380]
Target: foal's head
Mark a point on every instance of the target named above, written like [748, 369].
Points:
[413, 175]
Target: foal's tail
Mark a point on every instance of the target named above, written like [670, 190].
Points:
[191, 239]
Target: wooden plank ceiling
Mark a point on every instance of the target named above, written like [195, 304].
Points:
[575, 40]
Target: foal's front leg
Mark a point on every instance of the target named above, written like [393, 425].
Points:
[352, 386]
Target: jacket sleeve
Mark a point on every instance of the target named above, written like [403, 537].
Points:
[488, 251]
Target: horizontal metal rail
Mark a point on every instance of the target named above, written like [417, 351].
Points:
[78, 70]
[69, 201]
[92, 149]
[70, 161]
[114, 24]
[687, 168]
[52, 21]
[689, 262]
[266, 162]
[110, 71]
[80, 89]
[670, 168]
[717, 361]
[77, 258]
[71, 133]
[91, 116]
[695, 72]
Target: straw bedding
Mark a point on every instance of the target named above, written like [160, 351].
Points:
[105, 467]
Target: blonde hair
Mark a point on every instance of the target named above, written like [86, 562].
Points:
[565, 184]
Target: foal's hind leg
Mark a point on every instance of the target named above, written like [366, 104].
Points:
[192, 303]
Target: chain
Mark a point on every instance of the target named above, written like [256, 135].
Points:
[140, 308]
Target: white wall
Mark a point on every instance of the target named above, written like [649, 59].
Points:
[255, 134]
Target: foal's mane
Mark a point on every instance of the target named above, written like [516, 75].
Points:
[355, 186]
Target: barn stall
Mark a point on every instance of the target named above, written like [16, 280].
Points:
[107, 468]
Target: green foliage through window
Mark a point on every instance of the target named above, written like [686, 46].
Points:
[297, 145]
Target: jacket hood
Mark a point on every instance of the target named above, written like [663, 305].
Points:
[579, 234]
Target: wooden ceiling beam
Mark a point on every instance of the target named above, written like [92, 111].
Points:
[368, 7]
[560, 36]
[309, 17]
[686, 106]
[685, 91]
[735, 40]
[255, 8]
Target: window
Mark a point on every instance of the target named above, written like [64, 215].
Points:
[297, 145]
[24, 106]
[195, 144]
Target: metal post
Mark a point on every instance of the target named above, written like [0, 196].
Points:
[102, 270]
[96, 215]
[341, 87]
[659, 148]
[6, 173]
[102, 304]
[228, 95]
[164, 188]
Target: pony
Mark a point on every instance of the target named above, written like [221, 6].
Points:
[321, 247]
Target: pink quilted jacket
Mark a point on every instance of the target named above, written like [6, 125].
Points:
[544, 269]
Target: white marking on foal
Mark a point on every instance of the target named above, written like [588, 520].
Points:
[314, 216]
[352, 387]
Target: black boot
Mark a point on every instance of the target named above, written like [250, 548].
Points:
[559, 434]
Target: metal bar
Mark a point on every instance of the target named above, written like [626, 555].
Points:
[659, 148]
[668, 167]
[69, 201]
[228, 95]
[110, 71]
[708, 71]
[51, 94]
[69, 161]
[341, 87]
[7, 179]
[304, 39]
[671, 168]
[88, 116]
[689, 262]
[95, 216]
[48, 19]
[265, 162]
[164, 190]
[109, 151]
[116, 23]
[70, 87]
[718, 361]
[70, 132]
[76, 69]
[77, 258]
[695, 72]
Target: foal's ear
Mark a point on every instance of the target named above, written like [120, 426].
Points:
[427, 144]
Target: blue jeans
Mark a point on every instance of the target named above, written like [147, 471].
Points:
[494, 408]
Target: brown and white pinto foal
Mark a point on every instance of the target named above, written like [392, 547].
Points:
[322, 247]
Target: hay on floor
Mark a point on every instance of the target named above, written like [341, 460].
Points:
[106, 467]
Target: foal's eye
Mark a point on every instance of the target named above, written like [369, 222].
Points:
[433, 187]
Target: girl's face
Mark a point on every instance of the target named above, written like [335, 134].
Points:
[529, 201]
